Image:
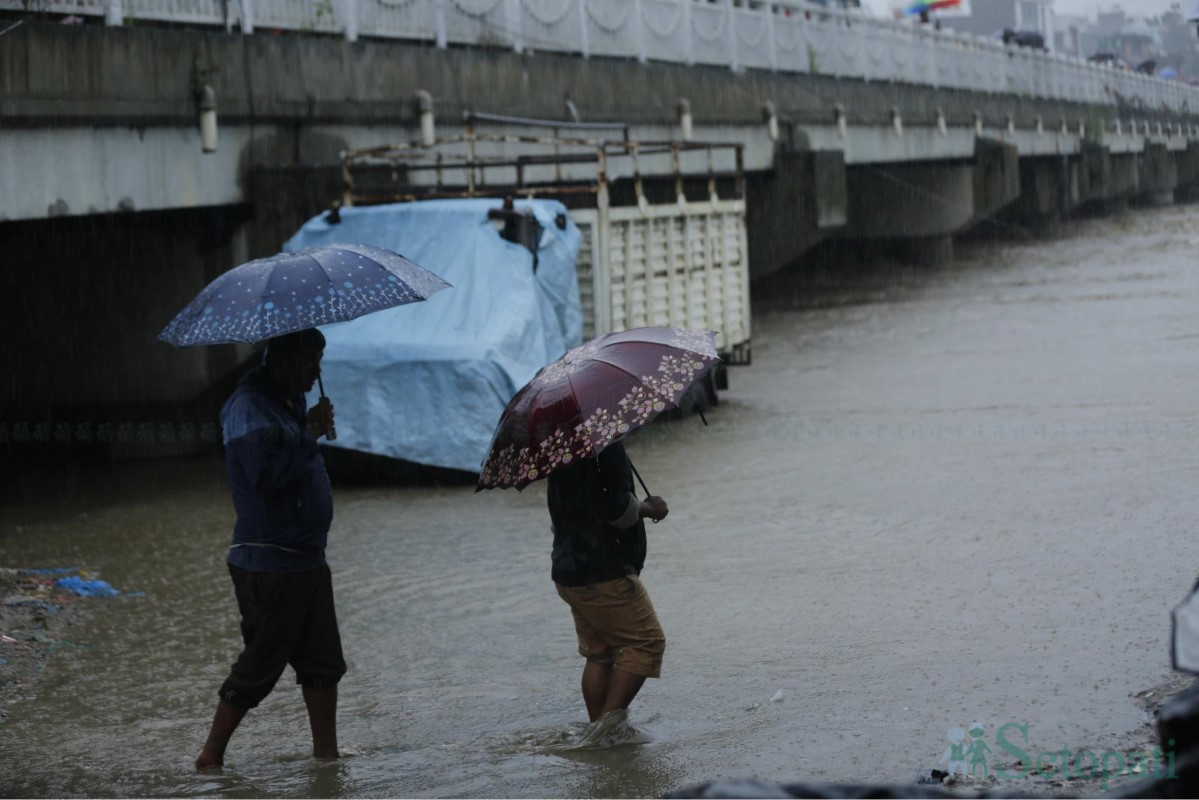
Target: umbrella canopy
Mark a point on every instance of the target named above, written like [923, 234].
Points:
[1184, 643]
[291, 291]
[594, 395]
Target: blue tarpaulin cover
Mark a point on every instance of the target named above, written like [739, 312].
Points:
[427, 382]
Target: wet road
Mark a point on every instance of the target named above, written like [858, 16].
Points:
[938, 499]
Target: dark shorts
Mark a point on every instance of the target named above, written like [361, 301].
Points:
[286, 618]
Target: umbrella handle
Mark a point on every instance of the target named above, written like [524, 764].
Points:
[331, 433]
[638, 474]
[640, 481]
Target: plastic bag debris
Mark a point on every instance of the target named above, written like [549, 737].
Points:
[85, 588]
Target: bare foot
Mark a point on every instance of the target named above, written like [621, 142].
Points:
[208, 761]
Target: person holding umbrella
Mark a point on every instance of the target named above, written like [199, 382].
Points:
[280, 488]
[597, 558]
[567, 424]
[284, 510]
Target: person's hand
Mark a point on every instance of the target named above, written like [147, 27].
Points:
[320, 418]
[655, 508]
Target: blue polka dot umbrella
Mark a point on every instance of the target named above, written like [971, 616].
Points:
[289, 292]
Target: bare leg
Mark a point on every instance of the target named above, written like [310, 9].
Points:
[224, 723]
[596, 677]
[322, 718]
[622, 688]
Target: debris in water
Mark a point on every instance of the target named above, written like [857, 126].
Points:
[778, 697]
[84, 588]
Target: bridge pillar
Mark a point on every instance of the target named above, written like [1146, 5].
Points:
[1188, 170]
[924, 204]
[1093, 174]
[284, 197]
[1101, 180]
[925, 250]
[794, 207]
[1123, 181]
[1044, 185]
[1054, 187]
[1158, 175]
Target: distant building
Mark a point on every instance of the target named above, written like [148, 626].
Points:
[1132, 40]
[1164, 44]
[1069, 35]
[1137, 43]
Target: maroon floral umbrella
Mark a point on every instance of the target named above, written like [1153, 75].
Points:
[594, 395]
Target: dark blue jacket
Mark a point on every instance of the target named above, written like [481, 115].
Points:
[280, 487]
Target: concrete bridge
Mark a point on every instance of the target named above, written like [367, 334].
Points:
[115, 209]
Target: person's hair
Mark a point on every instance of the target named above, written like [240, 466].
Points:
[309, 340]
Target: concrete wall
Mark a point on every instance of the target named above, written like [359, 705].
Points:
[803, 201]
[98, 120]
[55, 76]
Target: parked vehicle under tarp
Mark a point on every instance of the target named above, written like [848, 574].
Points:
[427, 385]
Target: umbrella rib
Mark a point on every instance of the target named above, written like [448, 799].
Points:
[255, 333]
[623, 369]
[328, 277]
[578, 409]
[655, 390]
[260, 322]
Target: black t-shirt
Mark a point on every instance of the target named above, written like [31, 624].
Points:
[584, 499]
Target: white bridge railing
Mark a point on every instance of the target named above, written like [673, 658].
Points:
[790, 36]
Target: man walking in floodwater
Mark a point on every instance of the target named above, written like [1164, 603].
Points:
[284, 508]
[599, 551]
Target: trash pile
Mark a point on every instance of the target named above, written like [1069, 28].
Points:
[36, 605]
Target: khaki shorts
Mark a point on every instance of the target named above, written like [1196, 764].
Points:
[616, 618]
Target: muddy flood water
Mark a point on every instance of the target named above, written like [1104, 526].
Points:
[937, 498]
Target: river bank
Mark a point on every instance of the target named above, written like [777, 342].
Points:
[43, 613]
[35, 616]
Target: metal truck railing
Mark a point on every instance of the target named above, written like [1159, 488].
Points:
[663, 222]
